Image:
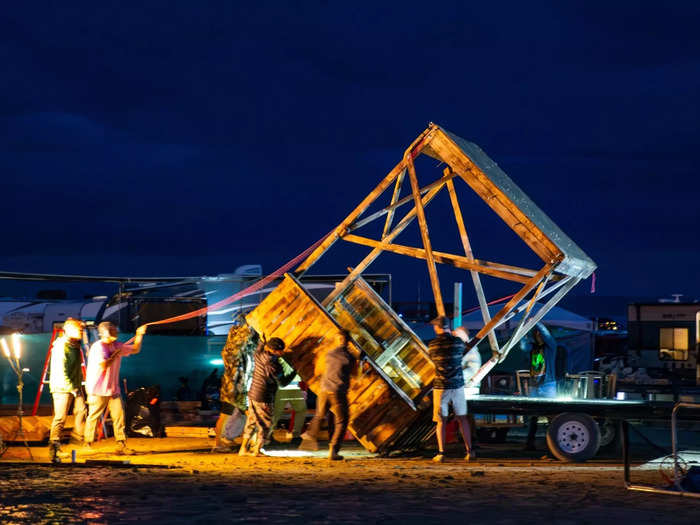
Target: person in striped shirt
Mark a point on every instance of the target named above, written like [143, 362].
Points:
[446, 352]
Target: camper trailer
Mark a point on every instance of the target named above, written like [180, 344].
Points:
[665, 337]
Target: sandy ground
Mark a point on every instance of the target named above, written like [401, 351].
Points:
[178, 480]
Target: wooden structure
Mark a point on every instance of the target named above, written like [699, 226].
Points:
[563, 265]
[383, 400]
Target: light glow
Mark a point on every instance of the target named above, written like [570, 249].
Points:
[5, 348]
[216, 362]
[16, 346]
[288, 453]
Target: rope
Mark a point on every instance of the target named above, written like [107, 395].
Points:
[490, 303]
[243, 293]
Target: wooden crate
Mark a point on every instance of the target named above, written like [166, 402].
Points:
[380, 410]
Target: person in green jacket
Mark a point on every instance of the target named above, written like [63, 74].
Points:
[66, 377]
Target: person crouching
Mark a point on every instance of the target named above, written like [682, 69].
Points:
[267, 374]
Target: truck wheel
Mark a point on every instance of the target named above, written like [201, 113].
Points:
[610, 441]
[573, 437]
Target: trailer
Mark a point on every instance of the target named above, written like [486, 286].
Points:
[579, 428]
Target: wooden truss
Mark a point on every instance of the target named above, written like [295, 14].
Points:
[564, 263]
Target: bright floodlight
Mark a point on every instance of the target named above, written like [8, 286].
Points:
[16, 346]
[5, 348]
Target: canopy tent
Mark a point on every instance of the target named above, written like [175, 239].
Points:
[575, 333]
[556, 316]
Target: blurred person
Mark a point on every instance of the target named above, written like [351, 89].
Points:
[268, 374]
[446, 352]
[471, 364]
[102, 382]
[542, 381]
[65, 383]
[209, 393]
[184, 392]
[338, 366]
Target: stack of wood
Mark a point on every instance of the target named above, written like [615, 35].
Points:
[35, 428]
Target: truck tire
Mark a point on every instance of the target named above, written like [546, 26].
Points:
[610, 439]
[573, 437]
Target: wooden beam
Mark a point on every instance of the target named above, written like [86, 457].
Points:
[360, 223]
[362, 266]
[447, 151]
[440, 257]
[342, 227]
[425, 235]
[394, 198]
[515, 311]
[515, 336]
[531, 284]
[567, 285]
[466, 245]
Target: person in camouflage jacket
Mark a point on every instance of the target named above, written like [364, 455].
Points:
[237, 355]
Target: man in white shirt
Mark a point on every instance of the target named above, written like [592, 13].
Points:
[102, 382]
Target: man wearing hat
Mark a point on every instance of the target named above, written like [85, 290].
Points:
[446, 352]
[267, 375]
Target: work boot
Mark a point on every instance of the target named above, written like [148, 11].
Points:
[333, 453]
[440, 458]
[243, 451]
[54, 450]
[123, 450]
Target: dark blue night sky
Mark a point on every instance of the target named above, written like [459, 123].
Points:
[179, 138]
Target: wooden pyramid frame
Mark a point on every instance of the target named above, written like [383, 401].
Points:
[564, 263]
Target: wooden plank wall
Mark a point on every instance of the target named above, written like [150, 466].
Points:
[377, 413]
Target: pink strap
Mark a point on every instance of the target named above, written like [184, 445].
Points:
[243, 293]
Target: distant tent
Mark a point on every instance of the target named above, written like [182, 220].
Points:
[557, 316]
[576, 333]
